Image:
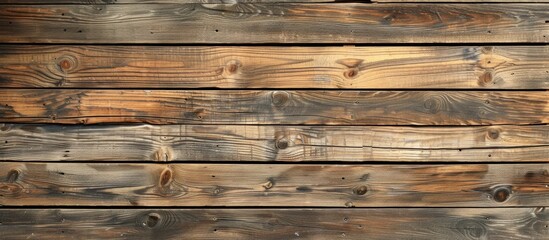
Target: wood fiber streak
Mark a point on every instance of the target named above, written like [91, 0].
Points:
[199, 185]
[387, 223]
[506, 143]
[500, 67]
[344, 23]
[274, 107]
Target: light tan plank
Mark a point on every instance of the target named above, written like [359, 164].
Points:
[500, 67]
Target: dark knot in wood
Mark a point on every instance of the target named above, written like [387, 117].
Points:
[280, 98]
[152, 220]
[282, 143]
[166, 177]
[493, 134]
[351, 73]
[360, 190]
[501, 194]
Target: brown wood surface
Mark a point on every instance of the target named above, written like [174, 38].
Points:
[99, 2]
[499, 67]
[506, 143]
[275, 107]
[386, 223]
[199, 185]
[344, 23]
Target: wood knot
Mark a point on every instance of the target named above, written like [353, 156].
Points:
[217, 190]
[360, 190]
[433, 105]
[269, 184]
[13, 175]
[233, 66]
[471, 229]
[351, 73]
[280, 98]
[349, 204]
[166, 177]
[152, 220]
[66, 63]
[163, 154]
[485, 79]
[487, 49]
[501, 194]
[282, 143]
[492, 134]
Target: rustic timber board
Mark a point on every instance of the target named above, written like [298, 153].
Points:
[280, 185]
[343, 23]
[274, 107]
[425, 67]
[386, 223]
[44, 142]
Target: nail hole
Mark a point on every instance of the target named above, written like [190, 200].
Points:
[216, 30]
[213, 176]
[489, 155]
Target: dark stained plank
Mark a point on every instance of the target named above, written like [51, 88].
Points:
[506, 143]
[275, 23]
[385, 223]
[500, 67]
[198, 185]
[274, 107]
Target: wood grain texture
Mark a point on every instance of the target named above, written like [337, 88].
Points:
[500, 67]
[386, 223]
[274, 107]
[198, 185]
[506, 143]
[271, 23]
[99, 2]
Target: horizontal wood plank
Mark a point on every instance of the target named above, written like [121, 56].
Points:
[386, 223]
[274, 107]
[455, 1]
[99, 2]
[471, 185]
[275, 23]
[500, 67]
[506, 143]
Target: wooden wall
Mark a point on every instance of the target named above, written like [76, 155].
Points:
[274, 119]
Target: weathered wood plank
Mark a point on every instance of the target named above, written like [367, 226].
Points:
[500, 67]
[274, 107]
[471, 185]
[275, 23]
[99, 2]
[460, 1]
[386, 223]
[507, 143]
